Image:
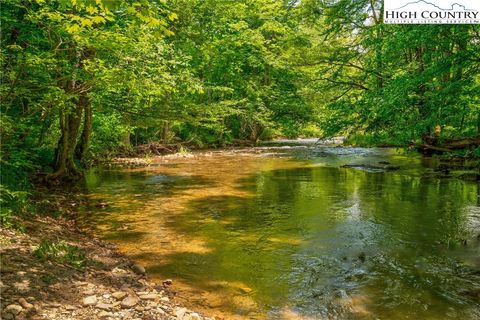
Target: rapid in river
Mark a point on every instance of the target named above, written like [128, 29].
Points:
[290, 232]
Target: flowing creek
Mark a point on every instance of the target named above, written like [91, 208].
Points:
[288, 233]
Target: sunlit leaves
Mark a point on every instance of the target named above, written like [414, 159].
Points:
[73, 28]
[56, 50]
[393, 80]
[172, 16]
[91, 9]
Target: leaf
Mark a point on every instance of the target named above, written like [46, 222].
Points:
[73, 28]
[86, 22]
[14, 47]
[91, 9]
[98, 19]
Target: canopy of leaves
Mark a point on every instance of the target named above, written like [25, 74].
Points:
[84, 78]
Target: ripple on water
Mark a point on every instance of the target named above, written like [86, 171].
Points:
[288, 234]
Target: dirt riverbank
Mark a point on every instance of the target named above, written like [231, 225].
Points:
[53, 270]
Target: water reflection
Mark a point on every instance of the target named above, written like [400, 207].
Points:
[275, 237]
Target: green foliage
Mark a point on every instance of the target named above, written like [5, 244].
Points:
[396, 82]
[375, 139]
[60, 252]
[312, 130]
[87, 79]
[183, 150]
[109, 133]
[12, 202]
[237, 52]
[476, 152]
[269, 134]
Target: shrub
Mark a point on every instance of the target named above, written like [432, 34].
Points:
[61, 252]
[12, 202]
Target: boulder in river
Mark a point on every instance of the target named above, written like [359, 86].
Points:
[362, 257]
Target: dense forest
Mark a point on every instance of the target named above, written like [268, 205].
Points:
[88, 79]
[246, 159]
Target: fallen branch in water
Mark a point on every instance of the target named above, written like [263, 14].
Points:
[449, 145]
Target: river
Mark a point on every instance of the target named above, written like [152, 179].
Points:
[287, 232]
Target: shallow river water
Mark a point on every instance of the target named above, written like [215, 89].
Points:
[288, 233]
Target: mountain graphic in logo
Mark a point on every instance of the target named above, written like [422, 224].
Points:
[422, 4]
[432, 11]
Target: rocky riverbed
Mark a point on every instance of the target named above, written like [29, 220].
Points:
[109, 286]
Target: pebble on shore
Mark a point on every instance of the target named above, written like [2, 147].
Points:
[108, 289]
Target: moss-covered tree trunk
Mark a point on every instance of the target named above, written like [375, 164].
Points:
[65, 155]
[69, 146]
[82, 145]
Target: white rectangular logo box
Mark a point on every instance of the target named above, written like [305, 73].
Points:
[431, 11]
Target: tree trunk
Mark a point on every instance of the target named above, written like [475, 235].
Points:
[69, 125]
[421, 91]
[126, 140]
[256, 130]
[70, 121]
[82, 146]
[165, 134]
